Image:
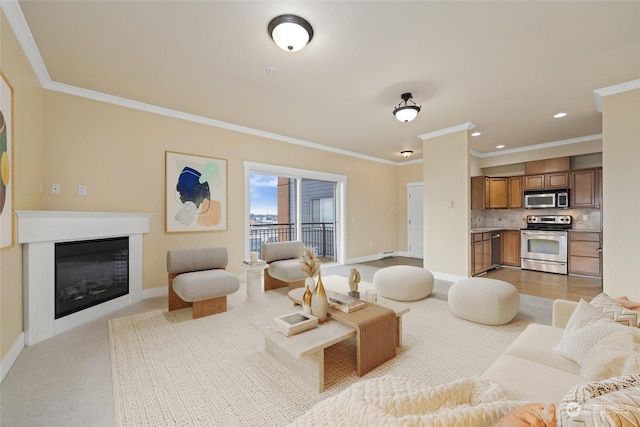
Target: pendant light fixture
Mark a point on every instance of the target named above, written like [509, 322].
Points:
[290, 32]
[406, 153]
[406, 113]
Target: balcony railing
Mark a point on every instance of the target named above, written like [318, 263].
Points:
[316, 235]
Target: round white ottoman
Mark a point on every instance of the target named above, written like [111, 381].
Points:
[482, 300]
[403, 282]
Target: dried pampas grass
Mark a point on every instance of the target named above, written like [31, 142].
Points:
[310, 263]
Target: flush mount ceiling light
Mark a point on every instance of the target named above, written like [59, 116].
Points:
[290, 32]
[406, 153]
[559, 115]
[476, 134]
[406, 113]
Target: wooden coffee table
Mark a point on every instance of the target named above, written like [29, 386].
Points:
[303, 353]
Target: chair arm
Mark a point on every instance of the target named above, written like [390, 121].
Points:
[562, 311]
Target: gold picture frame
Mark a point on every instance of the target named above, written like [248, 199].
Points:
[7, 207]
[195, 193]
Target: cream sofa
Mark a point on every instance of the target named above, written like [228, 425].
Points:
[603, 389]
[530, 369]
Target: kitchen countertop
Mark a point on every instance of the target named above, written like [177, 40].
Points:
[487, 229]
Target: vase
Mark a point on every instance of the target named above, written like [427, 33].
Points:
[310, 283]
[319, 301]
[306, 300]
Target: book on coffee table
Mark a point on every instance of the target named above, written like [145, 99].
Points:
[345, 303]
[296, 322]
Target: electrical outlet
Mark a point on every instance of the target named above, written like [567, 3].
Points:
[55, 188]
[82, 190]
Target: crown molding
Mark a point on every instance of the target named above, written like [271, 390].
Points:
[598, 94]
[537, 146]
[446, 131]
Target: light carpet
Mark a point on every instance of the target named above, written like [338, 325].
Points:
[169, 369]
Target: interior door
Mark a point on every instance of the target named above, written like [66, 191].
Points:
[415, 227]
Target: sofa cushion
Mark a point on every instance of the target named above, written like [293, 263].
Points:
[287, 270]
[614, 355]
[526, 380]
[536, 344]
[613, 309]
[585, 327]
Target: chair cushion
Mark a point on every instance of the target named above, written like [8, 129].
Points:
[187, 260]
[287, 270]
[203, 285]
[282, 250]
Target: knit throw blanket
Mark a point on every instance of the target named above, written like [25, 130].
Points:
[394, 401]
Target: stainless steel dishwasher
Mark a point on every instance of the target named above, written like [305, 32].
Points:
[496, 249]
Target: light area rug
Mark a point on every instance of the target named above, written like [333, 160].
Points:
[170, 369]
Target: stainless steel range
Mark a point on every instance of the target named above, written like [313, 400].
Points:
[544, 243]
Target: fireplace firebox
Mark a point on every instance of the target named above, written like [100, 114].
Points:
[90, 272]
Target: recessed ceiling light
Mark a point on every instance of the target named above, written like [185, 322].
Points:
[499, 146]
[476, 134]
[559, 115]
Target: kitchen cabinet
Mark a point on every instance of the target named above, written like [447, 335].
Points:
[480, 252]
[555, 164]
[514, 189]
[585, 253]
[498, 194]
[489, 193]
[586, 188]
[511, 248]
[546, 181]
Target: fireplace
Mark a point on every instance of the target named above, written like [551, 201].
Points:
[44, 234]
[90, 272]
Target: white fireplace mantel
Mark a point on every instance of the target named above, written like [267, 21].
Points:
[39, 231]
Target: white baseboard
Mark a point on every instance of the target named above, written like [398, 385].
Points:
[447, 277]
[159, 291]
[11, 357]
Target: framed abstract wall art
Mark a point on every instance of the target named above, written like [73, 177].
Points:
[196, 193]
[7, 237]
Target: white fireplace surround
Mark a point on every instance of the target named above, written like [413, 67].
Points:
[39, 231]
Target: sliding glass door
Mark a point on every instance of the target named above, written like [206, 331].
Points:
[289, 204]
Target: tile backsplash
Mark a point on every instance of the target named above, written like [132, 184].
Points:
[516, 218]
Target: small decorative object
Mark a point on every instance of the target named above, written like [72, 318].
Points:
[306, 299]
[345, 303]
[354, 280]
[372, 296]
[294, 323]
[319, 301]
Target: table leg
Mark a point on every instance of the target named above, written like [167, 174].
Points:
[253, 283]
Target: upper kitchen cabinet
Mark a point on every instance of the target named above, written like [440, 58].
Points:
[586, 188]
[496, 192]
[547, 174]
[515, 192]
[546, 181]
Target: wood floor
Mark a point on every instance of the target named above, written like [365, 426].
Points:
[546, 285]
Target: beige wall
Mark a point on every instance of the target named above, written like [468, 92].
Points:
[446, 227]
[118, 154]
[621, 202]
[28, 115]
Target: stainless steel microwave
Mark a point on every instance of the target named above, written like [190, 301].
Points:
[546, 199]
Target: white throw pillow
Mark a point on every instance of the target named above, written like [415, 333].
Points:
[613, 309]
[585, 327]
[615, 355]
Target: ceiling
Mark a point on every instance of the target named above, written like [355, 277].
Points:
[507, 67]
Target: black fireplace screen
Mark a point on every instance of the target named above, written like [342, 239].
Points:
[90, 272]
